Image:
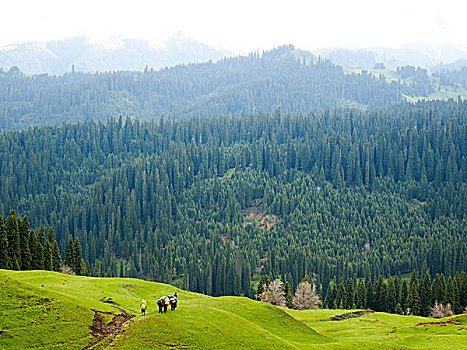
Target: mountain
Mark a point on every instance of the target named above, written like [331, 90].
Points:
[356, 58]
[105, 54]
[456, 65]
[283, 78]
[208, 204]
[415, 54]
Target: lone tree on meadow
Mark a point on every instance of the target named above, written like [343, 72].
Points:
[273, 293]
[306, 297]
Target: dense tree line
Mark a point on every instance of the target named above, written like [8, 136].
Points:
[418, 80]
[396, 295]
[21, 248]
[453, 77]
[252, 84]
[339, 193]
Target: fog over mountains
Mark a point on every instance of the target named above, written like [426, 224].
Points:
[115, 53]
[105, 54]
[418, 54]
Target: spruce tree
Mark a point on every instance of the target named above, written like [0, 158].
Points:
[14, 242]
[350, 295]
[4, 258]
[53, 250]
[398, 309]
[370, 295]
[78, 265]
[341, 294]
[97, 268]
[425, 295]
[384, 298]
[42, 245]
[56, 258]
[404, 295]
[413, 299]
[26, 256]
[360, 299]
[452, 295]
[288, 295]
[46, 249]
[69, 254]
[392, 295]
[379, 298]
[463, 289]
[458, 285]
[397, 286]
[330, 294]
[439, 290]
[37, 261]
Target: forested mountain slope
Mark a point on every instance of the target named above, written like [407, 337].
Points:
[252, 84]
[209, 204]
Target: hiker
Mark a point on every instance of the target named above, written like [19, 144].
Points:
[143, 307]
[173, 301]
[160, 304]
[163, 302]
[166, 303]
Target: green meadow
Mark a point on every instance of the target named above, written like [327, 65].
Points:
[48, 310]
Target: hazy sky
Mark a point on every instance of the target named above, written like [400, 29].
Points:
[241, 26]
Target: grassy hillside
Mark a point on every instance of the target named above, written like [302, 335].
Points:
[442, 92]
[42, 310]
[385, 331]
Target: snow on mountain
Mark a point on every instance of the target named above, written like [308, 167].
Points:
[91, 54]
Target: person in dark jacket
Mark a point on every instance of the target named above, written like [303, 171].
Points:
[173, 301]
[166, 303]
[160, 304]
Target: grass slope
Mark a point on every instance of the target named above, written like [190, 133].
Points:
[443, 92]
[44, 310]
[385, 331]
[59, 316]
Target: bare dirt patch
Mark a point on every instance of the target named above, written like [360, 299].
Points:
[255, 215]
[447, 323]
[350, 315]
[107, 332]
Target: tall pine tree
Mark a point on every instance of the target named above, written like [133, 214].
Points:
[413, 299]
[425, 295]
[4, 258]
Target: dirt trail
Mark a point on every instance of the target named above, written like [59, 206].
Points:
[447, 323]
[350, 315]
[109, 331]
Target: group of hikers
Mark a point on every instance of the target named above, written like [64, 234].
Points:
[163, 303]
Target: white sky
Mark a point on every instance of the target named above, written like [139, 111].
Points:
[241, 26]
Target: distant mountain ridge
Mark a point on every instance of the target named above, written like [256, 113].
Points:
[256, 83]
[416, 54]
[88, 55]
[85, 54]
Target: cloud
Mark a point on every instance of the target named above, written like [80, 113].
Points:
[240, 26]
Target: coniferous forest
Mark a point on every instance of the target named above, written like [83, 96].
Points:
[211, 204]
[251, 84]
